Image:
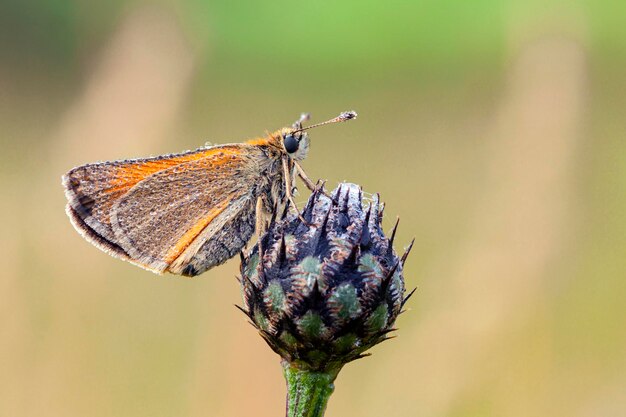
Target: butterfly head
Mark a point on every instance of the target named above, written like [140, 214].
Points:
[295, 141]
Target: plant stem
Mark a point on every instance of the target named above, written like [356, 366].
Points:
[307, 391]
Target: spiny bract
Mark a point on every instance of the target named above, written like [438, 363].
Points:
[328, 290]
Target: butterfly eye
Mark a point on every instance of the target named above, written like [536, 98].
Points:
[291, 144]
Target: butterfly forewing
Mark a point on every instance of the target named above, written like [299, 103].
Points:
[93, 189]
[168, 213]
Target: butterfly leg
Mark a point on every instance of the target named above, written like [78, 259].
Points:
[288, 190]
[260, 225]
[307, 181]
[260, 217]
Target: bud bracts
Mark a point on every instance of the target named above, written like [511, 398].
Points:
[329, 289]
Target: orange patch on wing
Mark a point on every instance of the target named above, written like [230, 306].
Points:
[192, 233]
[128, 175]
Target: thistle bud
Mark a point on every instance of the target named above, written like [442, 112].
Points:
[323, 291]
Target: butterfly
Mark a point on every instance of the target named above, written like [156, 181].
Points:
[186, 213]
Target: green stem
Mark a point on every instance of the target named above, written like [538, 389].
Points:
[307, 391]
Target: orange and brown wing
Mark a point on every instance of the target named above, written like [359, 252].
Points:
[150, 211]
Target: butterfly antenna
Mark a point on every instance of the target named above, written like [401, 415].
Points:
[303, 118]
[343, 117]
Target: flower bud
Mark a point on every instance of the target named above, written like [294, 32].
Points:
[327, 289]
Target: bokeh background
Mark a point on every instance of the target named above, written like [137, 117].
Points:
[496, 130]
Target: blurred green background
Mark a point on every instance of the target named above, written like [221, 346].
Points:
[495, 130]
